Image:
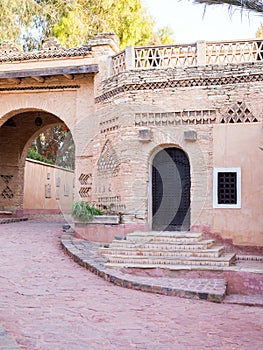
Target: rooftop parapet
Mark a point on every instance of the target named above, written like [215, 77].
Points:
[51, 48]
[201, 53]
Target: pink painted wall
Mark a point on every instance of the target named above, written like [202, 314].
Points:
[237, 145]
[47, 187]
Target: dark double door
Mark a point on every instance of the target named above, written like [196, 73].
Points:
[171, 184]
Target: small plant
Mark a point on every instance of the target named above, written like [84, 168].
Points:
[84, 211]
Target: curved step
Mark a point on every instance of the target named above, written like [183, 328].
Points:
[223, 261]
[178, 245]
[216, 251]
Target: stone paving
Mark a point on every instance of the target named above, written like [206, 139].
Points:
[7, 342]
[48, 302]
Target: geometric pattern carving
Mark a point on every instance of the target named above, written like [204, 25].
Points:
[182, 83]
[84, 192]
[7, 193]
[118, 62]
[108, 161]
[28, 88]
[192, 117]
[111, 203]
[85, 179]
[234, 52]
[221, 53]
[165, 56]
[109, 125]
[86, 182]
[238, 113]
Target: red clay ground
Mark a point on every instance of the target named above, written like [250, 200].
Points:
[48, 302]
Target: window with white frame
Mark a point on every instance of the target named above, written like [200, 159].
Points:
[227, 188]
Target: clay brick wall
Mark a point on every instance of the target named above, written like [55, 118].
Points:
[168, 103]
[47, 187]
[120, 122]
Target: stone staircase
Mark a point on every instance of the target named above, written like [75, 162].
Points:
[170, 250]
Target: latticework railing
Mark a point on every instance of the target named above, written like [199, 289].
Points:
[165, 56]
[119, 62]
[234, 52]
[188, 55]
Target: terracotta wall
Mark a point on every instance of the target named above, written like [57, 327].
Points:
[47, 187]
[237, 145]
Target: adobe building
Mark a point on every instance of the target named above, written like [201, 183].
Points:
[168, 137]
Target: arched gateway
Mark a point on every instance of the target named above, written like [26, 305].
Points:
[16, 136]
[120, 106]
[171, 185]
[39, 90]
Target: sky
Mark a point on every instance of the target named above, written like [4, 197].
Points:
[190, 24]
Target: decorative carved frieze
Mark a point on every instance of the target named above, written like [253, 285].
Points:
[181, 83]
[109, 125]
[192, 117]
[108, 161]
[86, 183]
[113, 204]
[28, 88]
[85, 179]
[7, 192]
[238, 113]
[85, 191]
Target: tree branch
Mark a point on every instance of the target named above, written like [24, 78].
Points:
[251, 5]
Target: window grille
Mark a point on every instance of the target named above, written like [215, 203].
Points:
[227, 188]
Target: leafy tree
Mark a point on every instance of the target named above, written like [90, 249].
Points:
[54, 146]
[163, 36]
[74, 22]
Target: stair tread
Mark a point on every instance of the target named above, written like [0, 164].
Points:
[186, 234]
[224, 257]
[175, 267]
[166, 249]
[129, 242]
[134, 249]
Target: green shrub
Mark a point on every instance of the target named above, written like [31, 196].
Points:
[84, 211]
[33, 154]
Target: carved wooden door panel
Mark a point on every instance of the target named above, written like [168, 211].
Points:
[171, 184]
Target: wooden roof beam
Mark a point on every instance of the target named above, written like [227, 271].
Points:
[41, 73]
[39, 79]
[14, 80]
[69, 76]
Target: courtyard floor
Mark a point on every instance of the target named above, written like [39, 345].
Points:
[48, 302]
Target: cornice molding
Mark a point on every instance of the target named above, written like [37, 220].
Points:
[180, 83]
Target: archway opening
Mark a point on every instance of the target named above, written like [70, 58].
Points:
[16, 137]
[171, 185]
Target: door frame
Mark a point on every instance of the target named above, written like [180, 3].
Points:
[150, 182]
